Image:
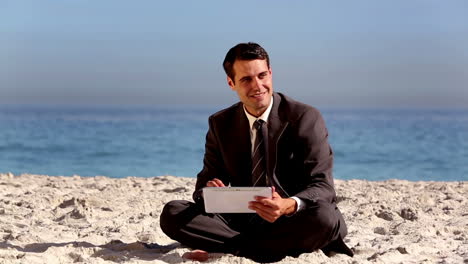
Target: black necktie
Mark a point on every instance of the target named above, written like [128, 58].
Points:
[258, 156]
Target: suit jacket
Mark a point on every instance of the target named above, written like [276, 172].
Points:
[299, 159]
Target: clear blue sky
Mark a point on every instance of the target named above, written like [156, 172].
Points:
[327, 53]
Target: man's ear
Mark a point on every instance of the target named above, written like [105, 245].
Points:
[230, 82]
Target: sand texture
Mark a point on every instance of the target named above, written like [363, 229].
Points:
[77, 219]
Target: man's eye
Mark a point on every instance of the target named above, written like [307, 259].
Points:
[262, 75]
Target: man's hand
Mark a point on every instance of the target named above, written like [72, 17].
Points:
[215, 183]
[274, 208]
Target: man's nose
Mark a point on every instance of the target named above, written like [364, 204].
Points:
[258, 83]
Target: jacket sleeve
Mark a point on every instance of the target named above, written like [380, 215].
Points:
[213, 165]
[317, 179]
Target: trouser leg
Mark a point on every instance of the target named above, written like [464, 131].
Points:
[306, 231]
[187, 223]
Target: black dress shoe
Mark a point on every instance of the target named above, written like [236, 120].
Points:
[337, 246]
[161, 248]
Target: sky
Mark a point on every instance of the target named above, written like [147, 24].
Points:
[327, 53]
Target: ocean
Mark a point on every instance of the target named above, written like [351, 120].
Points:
[372, 144]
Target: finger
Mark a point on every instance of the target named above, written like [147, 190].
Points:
[261, 212]
[263, 209]
[257, 206]
[215, 183]
[270, 203]
[219, 182]
[211, 184]
[259, 198]
[275, 195]
[266, 217]
[265, 214]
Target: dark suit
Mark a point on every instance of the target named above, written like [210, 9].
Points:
[299, 163]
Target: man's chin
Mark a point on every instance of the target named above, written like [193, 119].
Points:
[261, 107]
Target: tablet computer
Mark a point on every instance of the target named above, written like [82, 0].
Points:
[232, 199]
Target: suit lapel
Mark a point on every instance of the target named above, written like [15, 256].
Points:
[276, 127]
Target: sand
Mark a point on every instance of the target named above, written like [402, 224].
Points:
[46, 219]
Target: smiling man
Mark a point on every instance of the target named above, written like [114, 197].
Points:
[267, 139]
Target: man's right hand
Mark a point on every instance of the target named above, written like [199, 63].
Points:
[215, 183]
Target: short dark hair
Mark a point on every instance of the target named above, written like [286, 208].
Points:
[244, 51]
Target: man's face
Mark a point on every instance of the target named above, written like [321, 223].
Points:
[253, 83]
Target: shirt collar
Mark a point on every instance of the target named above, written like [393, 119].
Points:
[263, 117]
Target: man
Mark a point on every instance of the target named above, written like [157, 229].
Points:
[267, 139]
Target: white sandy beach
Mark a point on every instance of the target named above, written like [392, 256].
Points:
[46, 219]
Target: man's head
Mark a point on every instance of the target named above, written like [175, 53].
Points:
[244, 51]
[247, 66]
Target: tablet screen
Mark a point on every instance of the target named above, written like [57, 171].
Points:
[232, 199]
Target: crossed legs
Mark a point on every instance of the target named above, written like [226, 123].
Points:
[250, 236]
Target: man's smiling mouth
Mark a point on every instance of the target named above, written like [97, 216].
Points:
[256, 95]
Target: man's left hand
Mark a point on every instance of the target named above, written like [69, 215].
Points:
[273, 208]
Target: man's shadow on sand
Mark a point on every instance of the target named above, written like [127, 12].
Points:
[116, 250]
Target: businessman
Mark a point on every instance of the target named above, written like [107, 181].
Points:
[267, 139]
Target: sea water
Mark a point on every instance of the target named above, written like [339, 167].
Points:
[373, 144]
